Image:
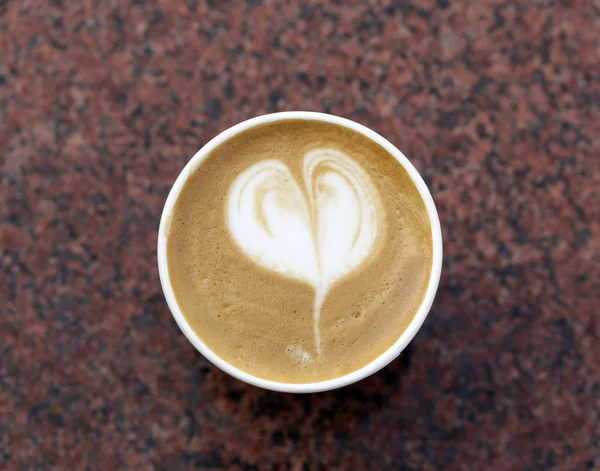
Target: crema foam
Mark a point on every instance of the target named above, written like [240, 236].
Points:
[299, 250]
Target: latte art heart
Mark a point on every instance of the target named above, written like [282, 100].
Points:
[317, 234]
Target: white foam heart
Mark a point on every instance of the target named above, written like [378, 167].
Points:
[317, 236]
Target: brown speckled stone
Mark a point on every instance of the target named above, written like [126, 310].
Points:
[496, 102]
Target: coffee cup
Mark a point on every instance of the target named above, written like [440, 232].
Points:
[352, 187]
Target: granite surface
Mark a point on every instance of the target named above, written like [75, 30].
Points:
[496, 102]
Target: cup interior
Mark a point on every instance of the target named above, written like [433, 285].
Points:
[381, 361]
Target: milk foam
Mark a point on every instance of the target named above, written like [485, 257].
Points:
[318, 235]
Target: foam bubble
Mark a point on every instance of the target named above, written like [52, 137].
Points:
[301, 355]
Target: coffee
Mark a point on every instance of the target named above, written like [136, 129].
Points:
[299, 250]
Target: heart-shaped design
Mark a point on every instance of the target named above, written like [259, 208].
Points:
[316, 236]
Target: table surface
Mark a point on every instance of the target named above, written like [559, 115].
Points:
[495, 102]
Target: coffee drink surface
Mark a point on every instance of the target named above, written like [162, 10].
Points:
[299, 251]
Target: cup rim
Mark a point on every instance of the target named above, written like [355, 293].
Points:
[378, 363]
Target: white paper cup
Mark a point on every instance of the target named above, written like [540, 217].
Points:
[384, 358]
